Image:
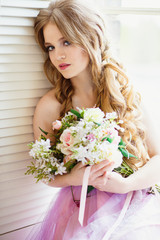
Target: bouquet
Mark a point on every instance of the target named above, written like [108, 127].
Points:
[88, 136]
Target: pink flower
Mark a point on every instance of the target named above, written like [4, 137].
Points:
[56, 125]
[66, 138]
[90, 137]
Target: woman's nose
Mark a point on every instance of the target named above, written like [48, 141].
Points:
[60, 55]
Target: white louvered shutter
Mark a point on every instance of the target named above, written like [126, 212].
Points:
[22, 83]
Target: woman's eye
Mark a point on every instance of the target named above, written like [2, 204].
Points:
[66, 43]
[50, 48]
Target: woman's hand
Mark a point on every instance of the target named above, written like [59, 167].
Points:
[111, 182]
[97, 170]
[100, 177]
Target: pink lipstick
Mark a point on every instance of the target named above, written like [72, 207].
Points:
[63, 66]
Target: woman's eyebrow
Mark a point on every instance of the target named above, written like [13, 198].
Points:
[48, 43]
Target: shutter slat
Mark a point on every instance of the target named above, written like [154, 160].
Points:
[12, 211]
[15, 122]
[16, 130]
[18, 200]
[26, 217]
[24, 4]
[22, 94]
[18, 104]
[16, 139]
[18, 49]
[25, 76]
[13, 21]
[14, 114]
[23, 40]
[13, 175]
[14, 157]
[18, 12]
[21, 59]
[25, 85]
[17, 147]
[7, 227]
[23, 190]
[11, 184]
[7, 30]
[20, 67]
[13, 167]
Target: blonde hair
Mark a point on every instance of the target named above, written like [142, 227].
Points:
[85, 27]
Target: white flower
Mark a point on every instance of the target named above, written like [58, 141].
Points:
[93, 114]
[111, 115]
[40, 148]
[111, 152]
[60, 169]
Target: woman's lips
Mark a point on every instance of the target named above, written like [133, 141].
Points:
[63, 66]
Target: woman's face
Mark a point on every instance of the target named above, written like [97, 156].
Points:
[69, 59]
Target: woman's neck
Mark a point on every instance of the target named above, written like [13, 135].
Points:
[84, 96]
[84, 91]
[82, 83]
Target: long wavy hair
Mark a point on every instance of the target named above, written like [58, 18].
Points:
[85, 27]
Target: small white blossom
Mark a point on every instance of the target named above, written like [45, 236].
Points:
[61, 169]
[111, 115]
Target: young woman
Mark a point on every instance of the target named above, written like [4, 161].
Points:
[84, 74]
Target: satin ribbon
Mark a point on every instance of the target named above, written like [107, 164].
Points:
[83, 203]
[120, 217]
[83, 194]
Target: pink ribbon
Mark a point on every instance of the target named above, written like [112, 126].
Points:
[83, 194]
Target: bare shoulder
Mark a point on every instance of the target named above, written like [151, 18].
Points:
[47, 111]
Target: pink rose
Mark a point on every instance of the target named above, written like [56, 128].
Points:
[66, 138]
[56, 125]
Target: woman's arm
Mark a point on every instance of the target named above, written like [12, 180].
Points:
[149, 174]
[75, 177]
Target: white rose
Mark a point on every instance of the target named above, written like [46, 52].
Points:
[94, 114]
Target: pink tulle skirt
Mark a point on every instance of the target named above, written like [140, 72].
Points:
[141, 220]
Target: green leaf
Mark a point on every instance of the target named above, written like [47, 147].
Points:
[43, 137]
[43, 131]
[121, 143]
[124, 169]
[90, 188]
[76, 113]
[98, 124]
[70, 164]
[103, 139]
[110, 139]
[125, 153]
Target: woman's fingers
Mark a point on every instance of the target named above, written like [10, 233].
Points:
[100, 182]
[101, 166]
[101, 171]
